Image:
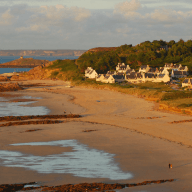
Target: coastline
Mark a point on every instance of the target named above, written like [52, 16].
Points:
[142, 139]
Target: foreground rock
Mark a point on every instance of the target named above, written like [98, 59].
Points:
[4, 78]
[37, 73]
[10, 87]
[44, 117]
[82, 187]
[31, 123]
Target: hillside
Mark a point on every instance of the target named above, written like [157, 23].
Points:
[155, 54]
[98, 49]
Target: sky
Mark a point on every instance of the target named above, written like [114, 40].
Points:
[85, 24]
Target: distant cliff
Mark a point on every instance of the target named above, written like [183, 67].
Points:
[41, 52]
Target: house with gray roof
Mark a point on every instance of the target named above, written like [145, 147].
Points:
[162, 78]
[183, 68]
[168, 65]
[176, 67]
[134, 77]
[153, 70]
[90, 73]
[179, 74]
[122, 68]
[144, 68]
[187, 83]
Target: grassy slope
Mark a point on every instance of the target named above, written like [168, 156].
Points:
[180, 100]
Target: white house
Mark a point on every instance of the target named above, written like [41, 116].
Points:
[129, 71]
[119, 78]
[168, 65]
[122, 68]
[100, 77]
[162, 78]
[178, 74]
[176, 67]
[187, 83]
[185, 68]
[149, 77]
[111, 72]
[113, 78]
[163, 70]
[134, 77]
[153, 70]
[90, 73]
[144, 68]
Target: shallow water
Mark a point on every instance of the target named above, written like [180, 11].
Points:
[20, 108]
[81, 162]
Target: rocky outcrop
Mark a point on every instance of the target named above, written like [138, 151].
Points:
[24, 63]
[82, 187]
[38, 73]
[4, 78]
[9, 87]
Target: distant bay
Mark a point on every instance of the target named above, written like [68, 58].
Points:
[5, 59]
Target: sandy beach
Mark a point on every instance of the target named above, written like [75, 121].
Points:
[139, 140]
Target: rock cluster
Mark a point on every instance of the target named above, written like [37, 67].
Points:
[82, 187]
[9, 87]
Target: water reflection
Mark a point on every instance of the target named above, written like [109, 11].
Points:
[20, 109]
[81, 162]
[8, 108]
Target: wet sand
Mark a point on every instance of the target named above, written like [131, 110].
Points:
[142, 139]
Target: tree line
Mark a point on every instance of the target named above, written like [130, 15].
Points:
[155, 54]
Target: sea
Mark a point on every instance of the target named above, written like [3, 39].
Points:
[5, 59]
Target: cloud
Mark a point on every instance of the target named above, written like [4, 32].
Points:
[165, 15]
[132, 10]
[59, 12]
[128, 8]
[45, 17]
[33, 27]
[170, 16]
[6, 18]
[62, 27]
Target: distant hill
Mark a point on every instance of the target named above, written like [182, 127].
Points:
[97, 49]
[24, 63]
[42, 52]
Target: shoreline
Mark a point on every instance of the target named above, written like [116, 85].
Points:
[122, 123]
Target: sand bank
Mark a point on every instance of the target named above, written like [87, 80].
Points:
[141, 139]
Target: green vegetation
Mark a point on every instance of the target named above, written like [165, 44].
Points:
[65, 70]
[151, 53]
[100, 61]
[146, 53]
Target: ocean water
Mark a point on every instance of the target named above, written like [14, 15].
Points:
[11, 70]
[4, 59]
